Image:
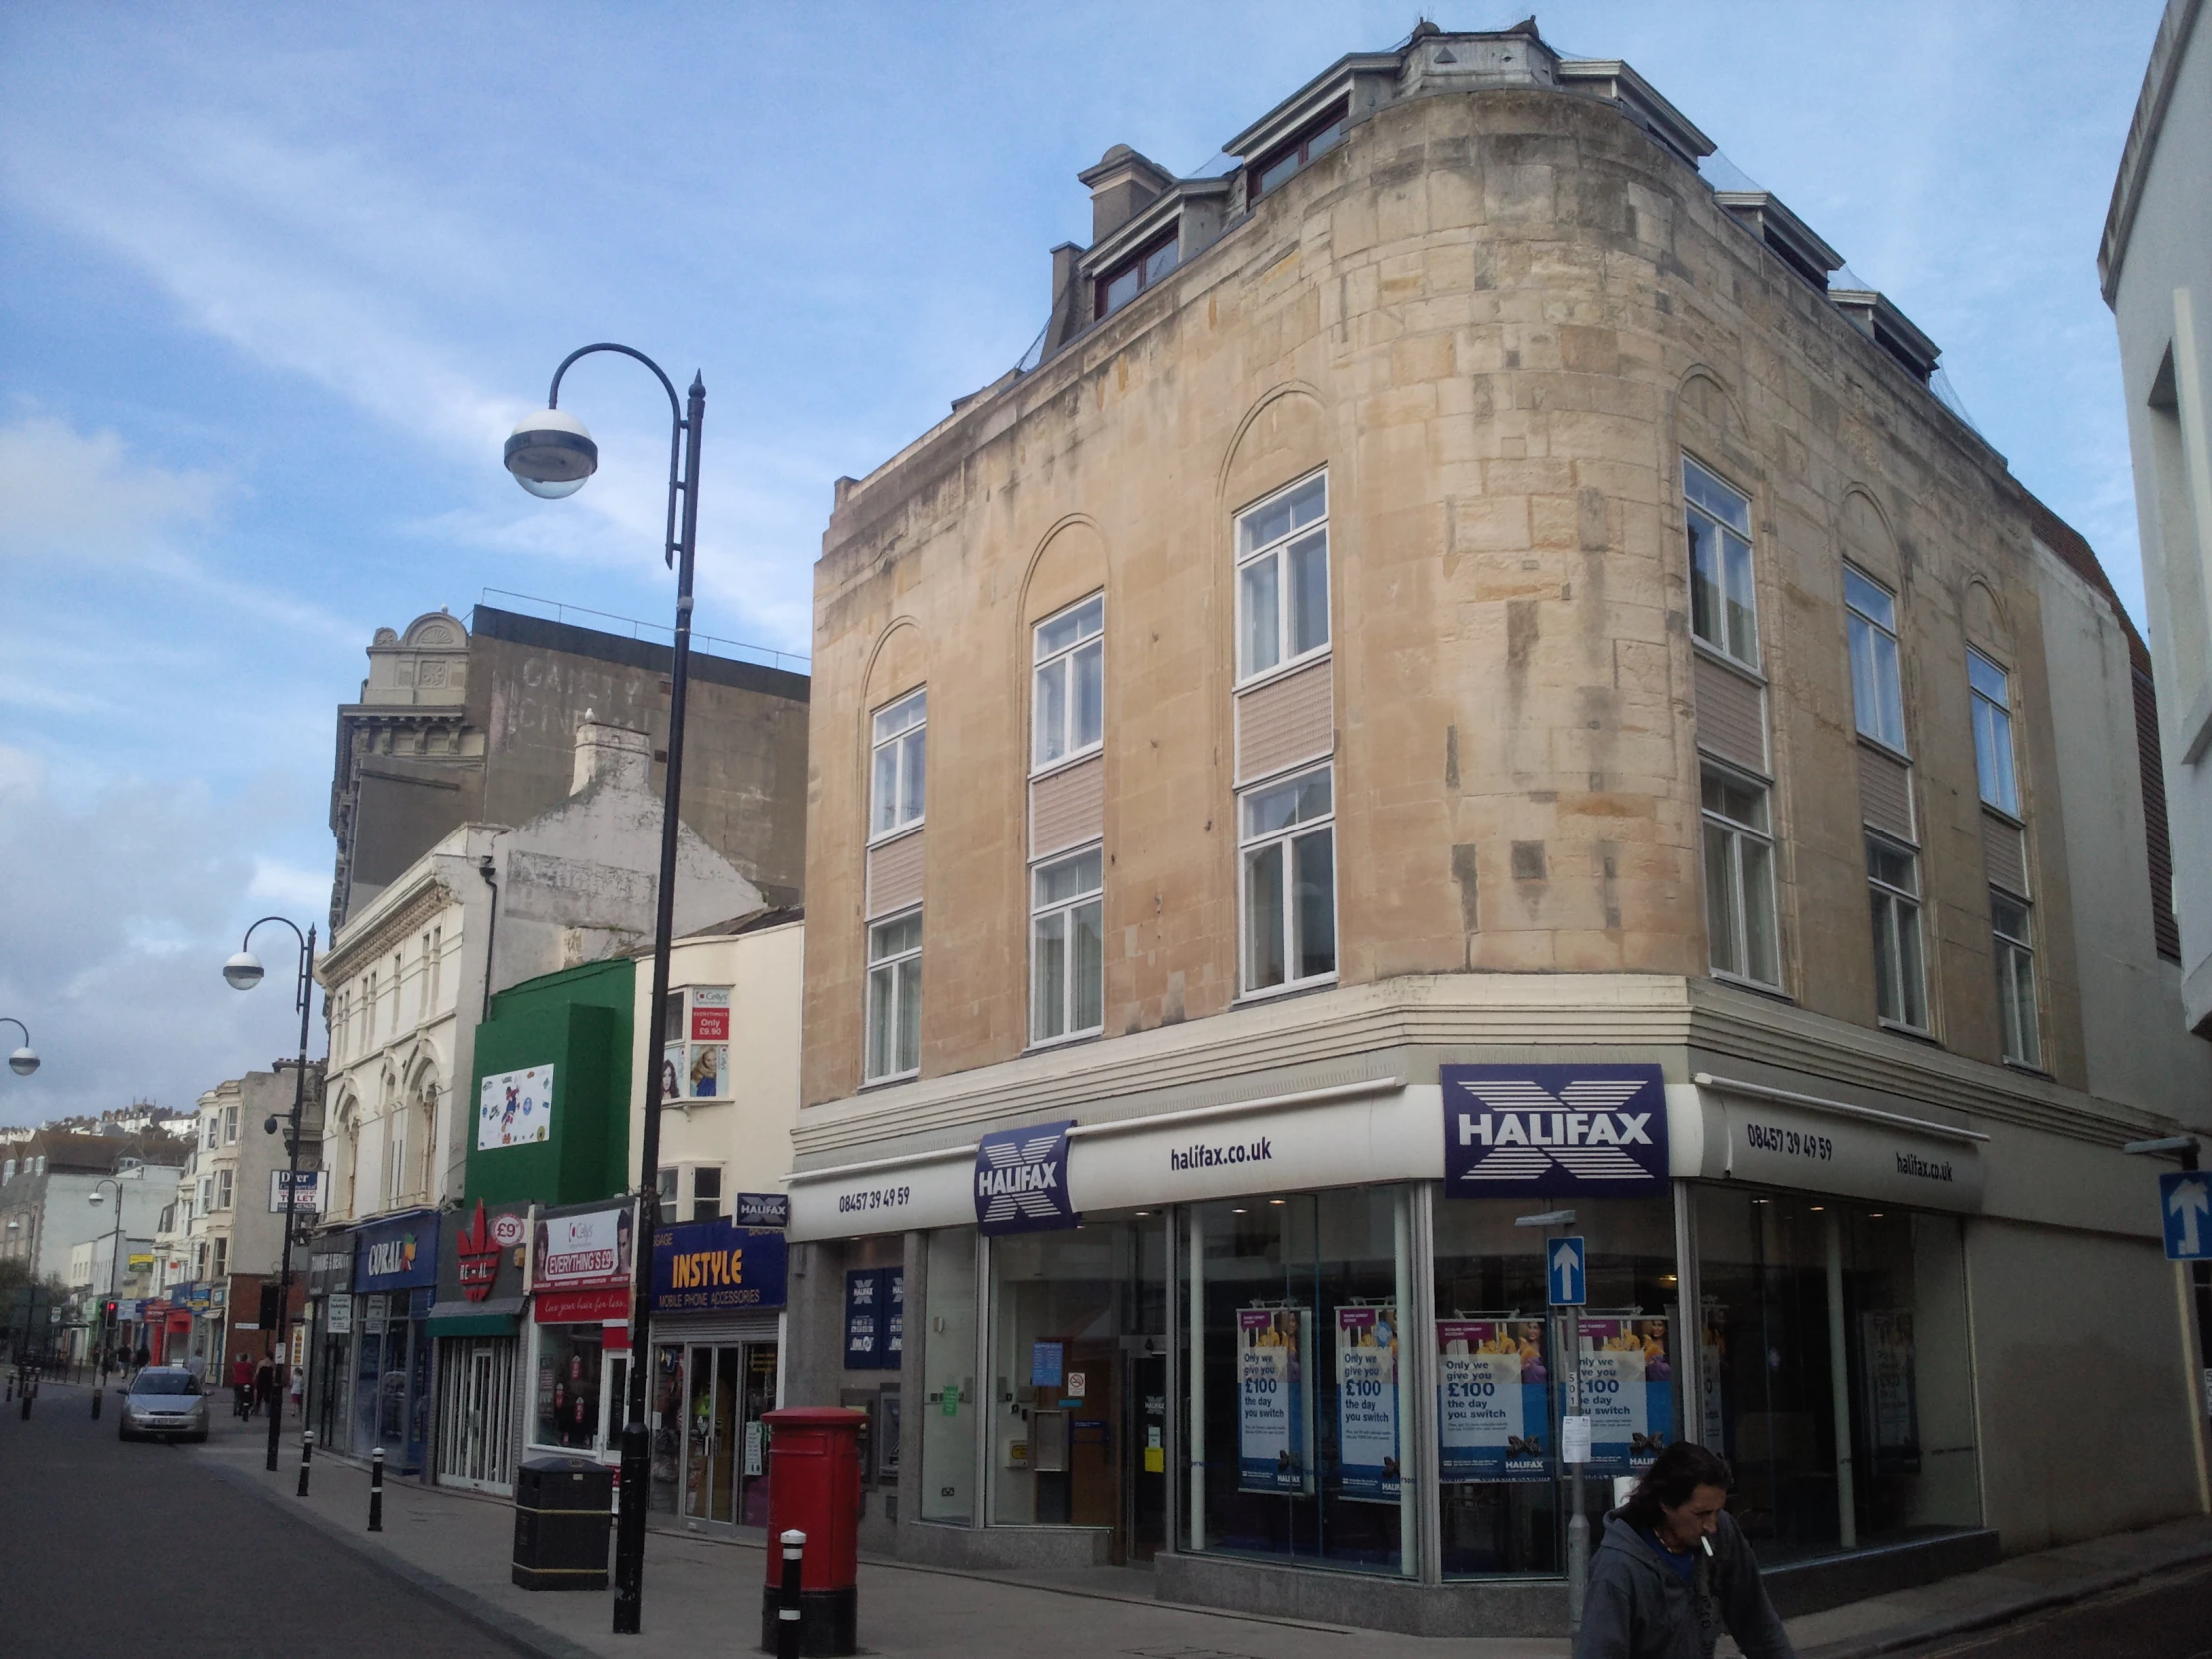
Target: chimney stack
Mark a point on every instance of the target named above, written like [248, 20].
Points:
[609, 756]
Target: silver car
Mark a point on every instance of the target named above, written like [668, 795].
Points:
[164, 1402]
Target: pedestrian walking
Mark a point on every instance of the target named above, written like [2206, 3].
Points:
[1673, 1571]
[298, 1383]
[140, 1360]
[241, 1386]
[264, 1384]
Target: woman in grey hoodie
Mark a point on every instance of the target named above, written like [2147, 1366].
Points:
[1673, 1571]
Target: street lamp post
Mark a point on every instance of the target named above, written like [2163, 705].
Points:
[551, 454]
[114, 1250]
[24, 1060]
[243, 973]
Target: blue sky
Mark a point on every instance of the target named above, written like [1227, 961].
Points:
[275, 279]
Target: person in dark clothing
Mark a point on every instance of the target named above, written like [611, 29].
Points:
[264, 1384]
[1673, 1571]
[241, 1386]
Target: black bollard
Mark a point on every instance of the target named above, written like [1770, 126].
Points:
[28, 1391]
[376, 1490]
[787, 1629]
[96, 1406]
[307, 1459]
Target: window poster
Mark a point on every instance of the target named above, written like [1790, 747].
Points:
[672, 1071]
[710, 1013]
[514, 1108]
[1892, 1430]
[863, 1320]
[1493, 1407]
[1046, 1365]
[710, 1072]
[1271, 1407]
[1627, 1392]
[1367, 1403]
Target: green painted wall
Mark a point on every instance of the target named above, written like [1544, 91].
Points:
[578, 1022]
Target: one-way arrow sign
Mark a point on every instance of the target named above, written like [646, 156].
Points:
[1566, 1276]
[2185, 1206]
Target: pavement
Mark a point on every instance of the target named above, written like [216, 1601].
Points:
[446, 1554]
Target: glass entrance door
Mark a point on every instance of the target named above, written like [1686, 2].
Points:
[709, 1431]
[1143, 1438]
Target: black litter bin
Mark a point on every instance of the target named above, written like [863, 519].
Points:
[563, 1507]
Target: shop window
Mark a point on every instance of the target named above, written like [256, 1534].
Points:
[665, 1186]
[900, 755]
[952, 1407]
[1068, 710]
[1504, 1361]
[1282, 578]
[1292, 1420]
[1870, 628]
[1900, 978]
[1290, 881]
[894, 998]
[1322, 135]
[1078, 1321]
[2014, 949]
[695, 1043]
[1134, 276]
[1739, 880]
[1724, 613]
[567, 1406]
[1833, 1354]
[1992, 733]
[1067, 953]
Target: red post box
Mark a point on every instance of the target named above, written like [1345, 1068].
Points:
[814, 1486]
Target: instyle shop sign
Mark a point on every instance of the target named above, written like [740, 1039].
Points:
[1022, 1180]
[1554, 1131]
[717, 1266]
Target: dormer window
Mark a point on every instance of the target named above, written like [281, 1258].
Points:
[1322, 135]
[1135, 275]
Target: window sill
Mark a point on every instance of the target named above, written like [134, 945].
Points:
[892, 1081]
[1064, 761]
[1882, 749]
[1918, 1033]
[1074, 1039]
[2005, 816]
[1721, 659]
[1275, 993]
[1281, 671]
[2027, 1070]
[1737, 981]
[910, 828]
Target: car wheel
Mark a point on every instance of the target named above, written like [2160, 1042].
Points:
[121, 1432]
[200, 1438]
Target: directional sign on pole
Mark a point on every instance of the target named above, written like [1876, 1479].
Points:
[2185, 1206]
[1566, 1273]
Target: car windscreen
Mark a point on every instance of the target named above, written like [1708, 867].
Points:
[166, 1383]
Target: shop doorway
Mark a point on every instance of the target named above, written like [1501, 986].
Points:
[721, 1472]
[476, 1430]
[1144, 1458]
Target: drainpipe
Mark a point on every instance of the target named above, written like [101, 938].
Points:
[491, 929]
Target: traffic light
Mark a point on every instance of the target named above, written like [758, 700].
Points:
[107, 1312]
[270, 1296]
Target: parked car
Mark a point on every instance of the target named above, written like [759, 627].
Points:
[164, 1402]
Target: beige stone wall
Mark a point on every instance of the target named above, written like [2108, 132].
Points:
[1496, 318]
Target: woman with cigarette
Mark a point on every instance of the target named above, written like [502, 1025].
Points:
[1673, 1571]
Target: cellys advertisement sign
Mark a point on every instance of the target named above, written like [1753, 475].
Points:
[1591, 1131]
[583, 1251]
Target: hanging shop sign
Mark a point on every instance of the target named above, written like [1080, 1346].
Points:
[480, 1255]
[1780, 1138]
[331, 1265]
[717, 1266]
[1367, 1403]
[1493, 1400]
[398, 1254]
[1596, 1131]
[306, 1189]
[514, 1108]
[1627, 1392]
[874, 1318]
[1022, 1180]
[580, 1264]
[1273, 1430]
[761, 1209]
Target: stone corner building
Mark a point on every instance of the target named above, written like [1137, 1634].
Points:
[1467, 683]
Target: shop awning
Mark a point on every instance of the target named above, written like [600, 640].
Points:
[497, 1315]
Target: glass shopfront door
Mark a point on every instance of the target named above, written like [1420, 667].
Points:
[709, 1450]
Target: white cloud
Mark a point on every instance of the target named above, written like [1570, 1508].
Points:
[290, 885]
[78, 496]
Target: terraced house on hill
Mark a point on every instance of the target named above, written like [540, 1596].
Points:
[1472, 697]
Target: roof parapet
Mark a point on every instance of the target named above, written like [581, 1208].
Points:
[1890, 329]
[1792, 239]
[1639, 100]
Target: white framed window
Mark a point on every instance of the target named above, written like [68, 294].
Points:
[222, 1262]
[1992, 733]
[222, 1189]
[901, 753]
[2015, 939]
[1067, 713]
[1894, 896]
[1724, 612]
[1739, 880]
[1286, 835]
[207, 1194]
[215, 1129]
[894, 997]
[1871, 627]
[706, 1193]
[1282, 577]
[230, 1125]
[1067, 947]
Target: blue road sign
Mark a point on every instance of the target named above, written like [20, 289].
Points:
[2185, 1206]
[1564, 1270]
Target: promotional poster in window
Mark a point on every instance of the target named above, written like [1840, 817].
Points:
[1271, 1437]
[1493, 1401]
[1367, 1403]
[1627, 1393]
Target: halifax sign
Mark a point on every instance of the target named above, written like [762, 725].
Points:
[1554, 1131]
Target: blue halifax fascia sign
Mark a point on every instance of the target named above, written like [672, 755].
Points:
[1021, 1178]
[1554, 1131]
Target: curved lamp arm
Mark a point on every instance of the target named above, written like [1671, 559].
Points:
[676, 424]
[20, 1026]
[306, 955]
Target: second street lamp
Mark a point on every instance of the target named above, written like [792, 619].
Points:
[551, 455]
[24, 1060]
[242, 973]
